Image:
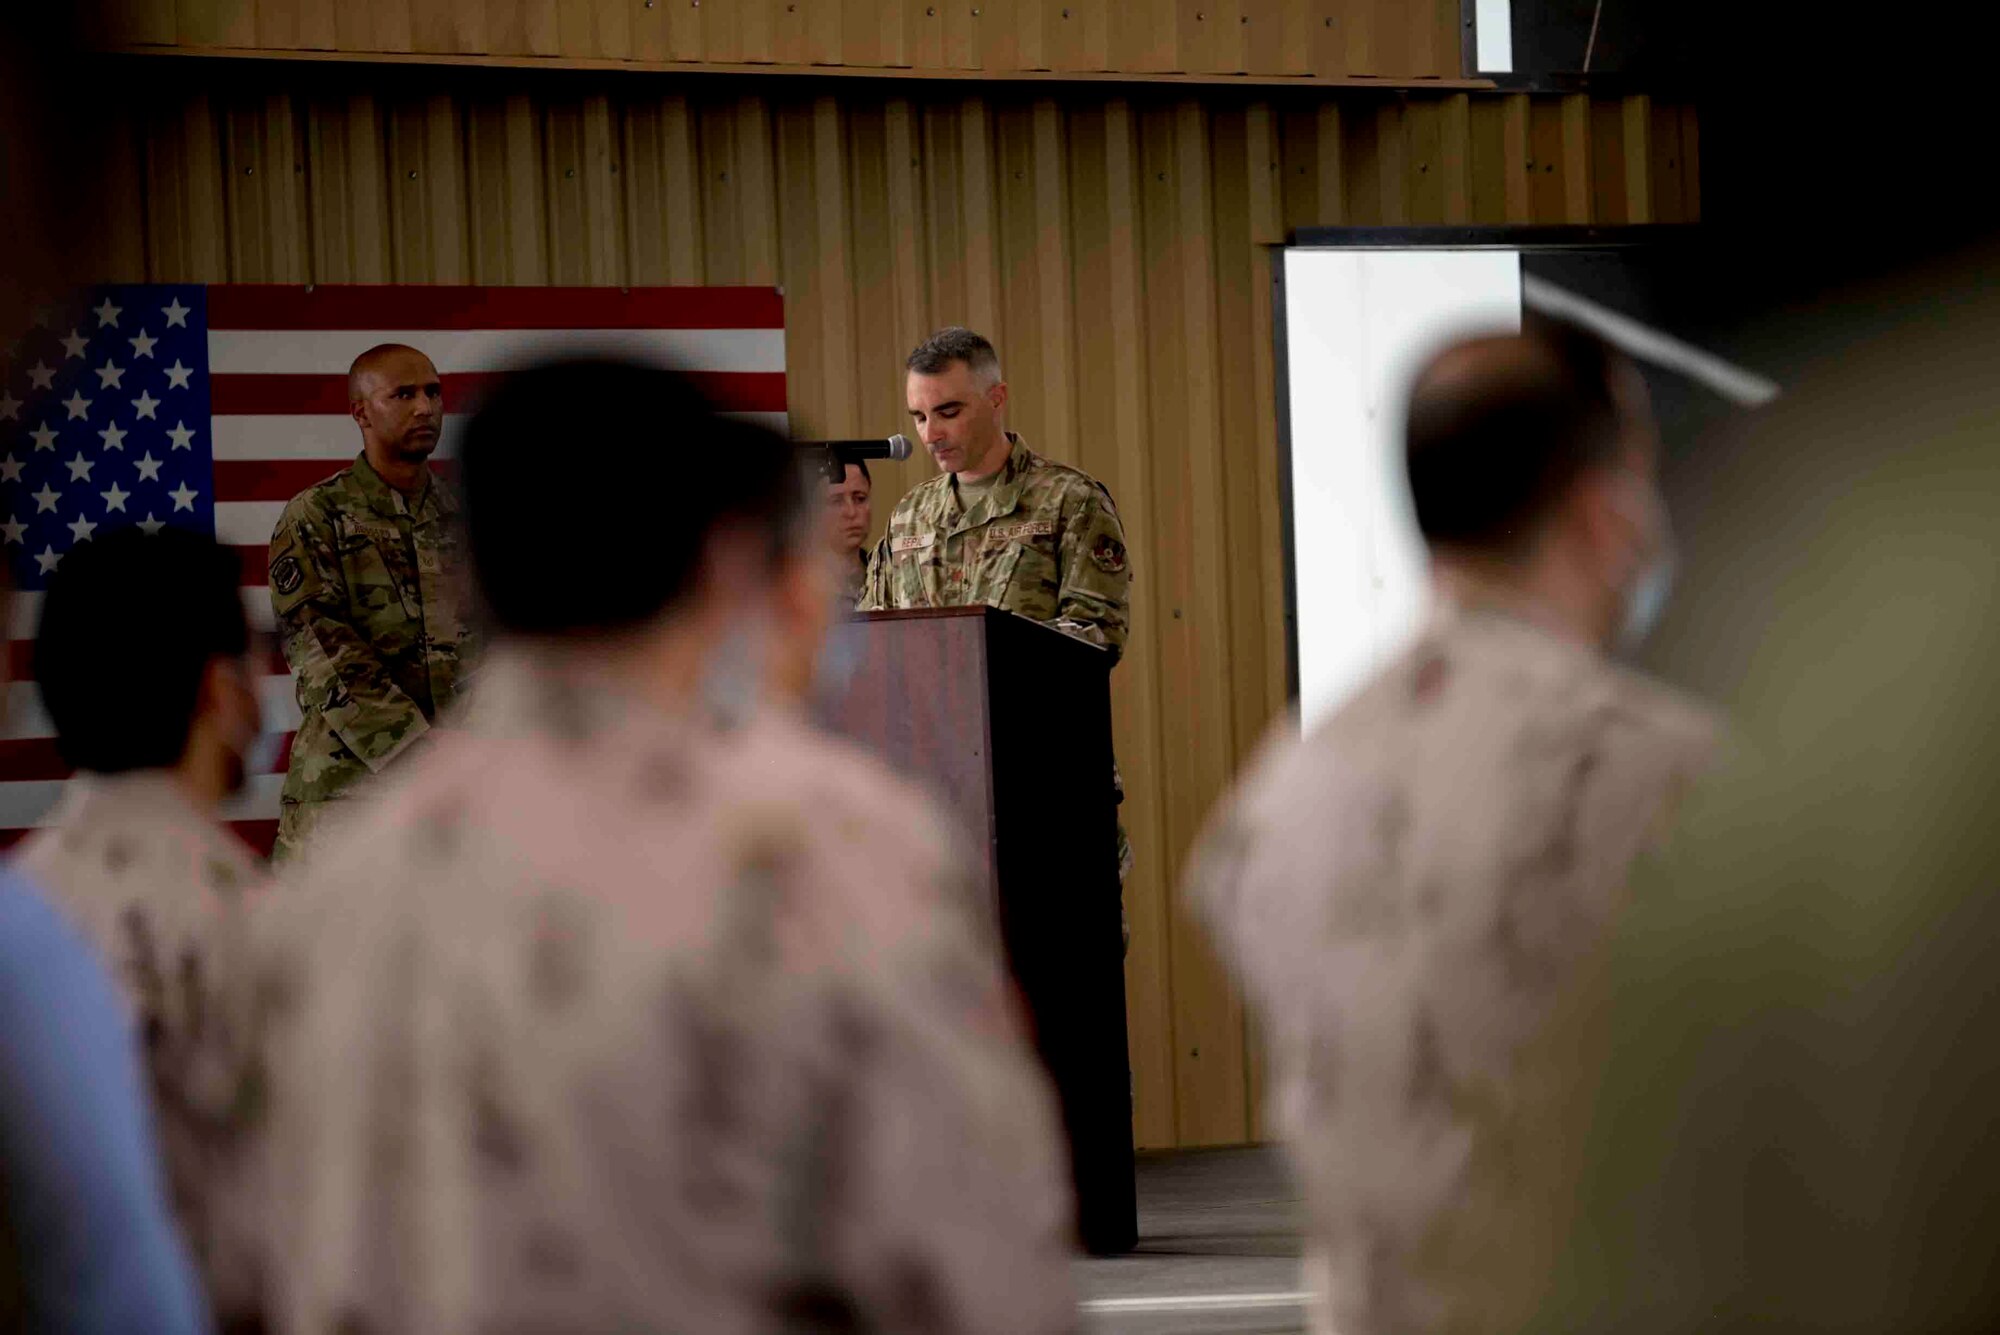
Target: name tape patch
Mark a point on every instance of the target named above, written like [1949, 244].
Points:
[1037, 528]
[912, 542]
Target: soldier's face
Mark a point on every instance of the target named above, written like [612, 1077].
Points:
[401, 405]
[958, 419]
[849, 512]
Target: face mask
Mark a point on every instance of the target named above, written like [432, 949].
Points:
[733, 680]
[1646, 601]
[834, 666]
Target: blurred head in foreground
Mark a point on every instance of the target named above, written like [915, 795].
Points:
[143, 659]
[700, 564]
[1533, 467]
[1795, 1128]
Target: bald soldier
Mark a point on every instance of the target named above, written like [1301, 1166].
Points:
[366, 584]
[999, 525]
[636, 1003]
[1419, 893]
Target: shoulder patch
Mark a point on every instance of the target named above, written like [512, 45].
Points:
[286, 574]
[1108, 554]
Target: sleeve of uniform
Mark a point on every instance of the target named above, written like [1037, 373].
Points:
[954, 1212]
[336, 668]
[875, 584]
[1095, 599]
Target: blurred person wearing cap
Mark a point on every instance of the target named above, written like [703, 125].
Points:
[1418, 892]
[850, 512]
[634, 1002]
[135, 853]
[367, 574]
[87, 1239]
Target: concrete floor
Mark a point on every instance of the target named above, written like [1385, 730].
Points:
[1218, 1249]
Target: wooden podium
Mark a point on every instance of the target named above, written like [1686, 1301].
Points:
[1008, 724]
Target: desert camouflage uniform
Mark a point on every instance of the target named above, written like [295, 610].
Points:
[1044, 543]
[604, 1020]
[1418, 897]
[165, 895]
[371, 602]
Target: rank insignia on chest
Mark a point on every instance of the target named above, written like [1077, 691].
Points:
[1037, 528]
[286, 574]
[1108, 554]
[912, 542]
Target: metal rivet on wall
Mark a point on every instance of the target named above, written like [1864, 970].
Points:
[1329, 23]
[1065, 13]
[413, 176]
[249, 171]
[1199, 16]
[569, 174]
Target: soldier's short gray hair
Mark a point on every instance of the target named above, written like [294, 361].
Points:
[956, 344]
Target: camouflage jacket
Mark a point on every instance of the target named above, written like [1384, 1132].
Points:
[165, 895]
[664, 1026]
[1045, 543]
[371, 601]
[1418, 897]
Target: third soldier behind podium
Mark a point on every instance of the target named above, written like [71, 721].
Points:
[999, 526]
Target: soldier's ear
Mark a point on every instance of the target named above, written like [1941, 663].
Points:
[357, 408]
[997, 396]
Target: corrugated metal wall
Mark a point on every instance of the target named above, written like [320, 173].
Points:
[1113, 246]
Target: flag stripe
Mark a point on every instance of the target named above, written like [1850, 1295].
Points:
[363, 306]
[732, 391]
[460, 351]
[240, 480]
[334, 440]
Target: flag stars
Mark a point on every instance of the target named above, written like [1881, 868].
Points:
[113, 437]
[79, 468]
[44, 437]
[149, 467]
[46, 559]
[115, 498]
[74, 345]
[107, 314]
[10, 407]
[109, 374]
[181, 435]
[45, 499]
[149, 525]
[177, 375]
[142, 344]
[144, 404]
[176, 313]
[80, 528]
[42, 376]
[78, 405]
[183, 497]
[16, 531]
[10, 468]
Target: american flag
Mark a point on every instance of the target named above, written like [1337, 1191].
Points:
[211, 406]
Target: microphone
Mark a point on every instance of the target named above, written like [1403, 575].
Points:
[834, 455]
[895, 447]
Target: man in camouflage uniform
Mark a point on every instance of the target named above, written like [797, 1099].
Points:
[1419, 894]
[666, 1011]
[366, 582]
[999, 525]
[135, 854]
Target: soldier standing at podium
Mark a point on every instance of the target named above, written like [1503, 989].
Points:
[999, 526]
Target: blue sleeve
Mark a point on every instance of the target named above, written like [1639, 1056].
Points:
[94, 1240]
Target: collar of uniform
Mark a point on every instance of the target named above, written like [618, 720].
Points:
[134, 795]
[1005, 495]
[386, 500]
